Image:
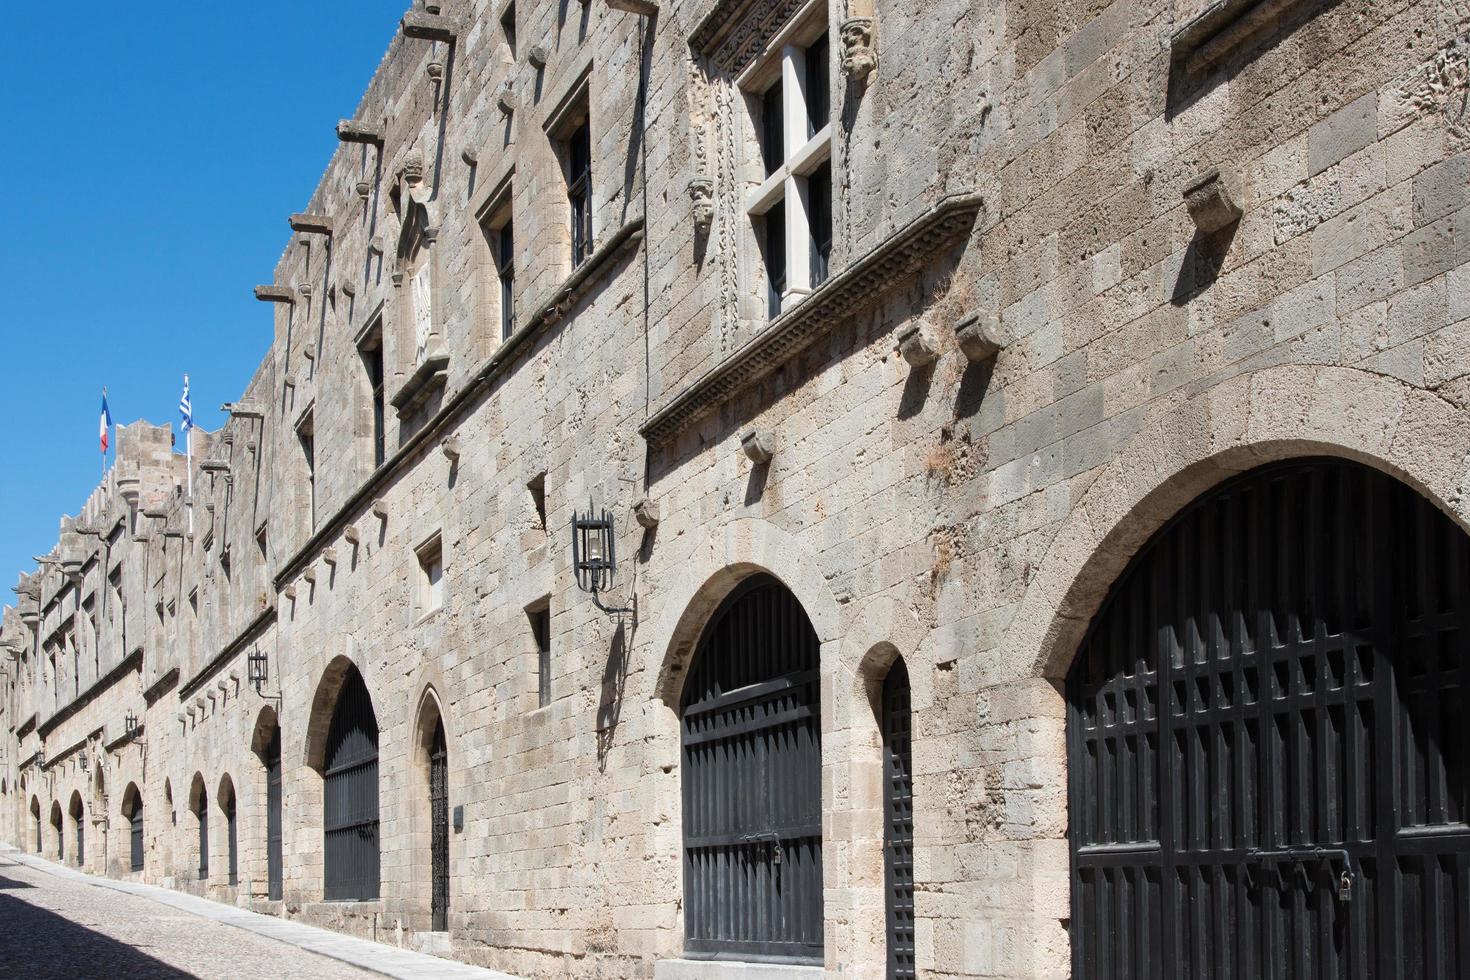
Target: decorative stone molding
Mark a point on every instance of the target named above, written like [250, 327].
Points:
[735, 32]
[431, 374]
[917, 345]
[275, 294]
[859, 56]
[759, 445]
[643, 8]
[702, 201]
[425, 26]
[645, 512]
[413, 166]
[505, 97]
[364, 189]
[358, 131]
[316, 224]
[978, 337]
[890, 263]
[1213, 200]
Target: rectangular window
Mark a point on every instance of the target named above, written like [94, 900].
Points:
[505, 272]
[541, 630]
[775, 254]
[305, 432]
[431, 575]
[537, 486]
[791, 209]
[579, 190]
[819, 212]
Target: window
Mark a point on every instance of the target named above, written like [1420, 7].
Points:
[306, 433]
[579, 189]
[498, 232]
[541, 630]
[791, 210]
[371, 352]
[431, 575]
[508, 26]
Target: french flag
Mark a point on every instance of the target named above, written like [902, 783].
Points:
[105, 422]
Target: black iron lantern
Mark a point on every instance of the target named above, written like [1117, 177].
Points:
[130, 724]
[594, 557]
[257, 669]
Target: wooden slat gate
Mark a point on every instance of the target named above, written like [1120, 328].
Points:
[752, 787]
[1268, 758]
[898, 824]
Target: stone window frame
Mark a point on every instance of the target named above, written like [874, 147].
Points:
[305, 431]
[806, 150]
[371, 344]
[495, 218]
[431, 557]
[538, 620]
[572, 114]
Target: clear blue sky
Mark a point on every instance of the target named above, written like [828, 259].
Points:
[152, 156]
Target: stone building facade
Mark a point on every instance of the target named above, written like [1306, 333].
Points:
[929, 316]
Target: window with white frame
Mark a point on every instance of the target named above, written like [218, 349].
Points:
[789, 97]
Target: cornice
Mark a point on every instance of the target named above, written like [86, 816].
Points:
[892, 261]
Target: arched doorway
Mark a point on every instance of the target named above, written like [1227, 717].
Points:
[350, 795]
[57, 832]
[268, 746]
[36, 822]
[78, 826]
[199, 807]
[1264, 776]
[752, 780]
[226, 797]
[132, 809]
[439, 829]
[898, 821]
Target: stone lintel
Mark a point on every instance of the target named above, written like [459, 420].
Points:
[887, 265]
[320, 224]
[643, 8]
[275, 294]
[425, 26]
[1222, 28]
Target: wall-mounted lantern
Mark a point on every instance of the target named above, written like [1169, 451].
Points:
[257, 667]
[594, 554]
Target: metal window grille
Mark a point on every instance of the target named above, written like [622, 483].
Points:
[273, 816]
[135, 821]
[1268, 769]
[439, 829]
[203, 835]
[752, 788]
[350, 793]
[898, 825]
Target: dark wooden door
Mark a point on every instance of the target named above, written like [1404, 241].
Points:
[1264, 775]
[439, 831]
[273, 817]
[752, 780]
[135, 834]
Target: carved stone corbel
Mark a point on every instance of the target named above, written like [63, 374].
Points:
[859, 56]
[702, 203]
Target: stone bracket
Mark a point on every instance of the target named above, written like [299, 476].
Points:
[643, 8]
[425, 26]
[275, 294]
[1220, 30]
[431, 373]
[320, 224]
[357, 131]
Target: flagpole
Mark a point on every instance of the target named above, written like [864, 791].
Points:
[189, 458]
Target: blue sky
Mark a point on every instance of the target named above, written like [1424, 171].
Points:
[154, 154]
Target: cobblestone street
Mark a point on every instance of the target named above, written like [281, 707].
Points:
[61, 928]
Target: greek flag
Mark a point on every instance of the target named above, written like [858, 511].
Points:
[184, 409]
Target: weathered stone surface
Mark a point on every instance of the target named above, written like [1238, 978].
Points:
[969, 517]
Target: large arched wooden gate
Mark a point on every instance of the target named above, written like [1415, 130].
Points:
[1267, 740]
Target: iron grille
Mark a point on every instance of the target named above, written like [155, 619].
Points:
[60, 836]
[135, 821]
[233, 841]
[273, 816]
[203, 835]
[752, 787]
[1267, 757]
[350, 791]
[898, 825]
[439, 834]
[81, 843]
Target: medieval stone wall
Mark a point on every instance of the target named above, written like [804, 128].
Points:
[1019, 166]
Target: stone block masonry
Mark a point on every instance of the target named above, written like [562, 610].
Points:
[522, 290]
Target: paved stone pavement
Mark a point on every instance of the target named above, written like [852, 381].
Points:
[56, 922]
